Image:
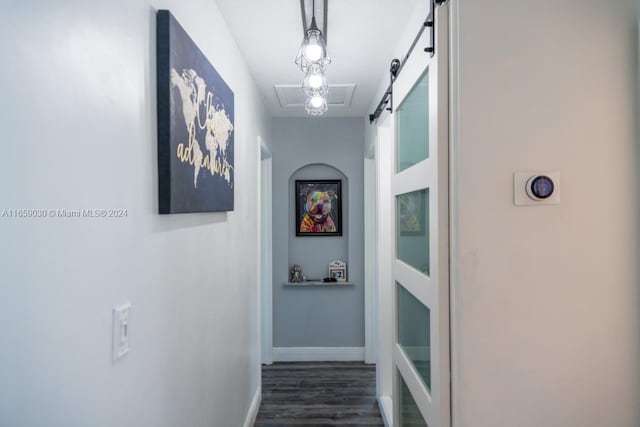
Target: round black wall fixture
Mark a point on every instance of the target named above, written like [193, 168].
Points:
[540, 187]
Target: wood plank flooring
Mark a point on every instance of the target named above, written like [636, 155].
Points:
[319, 394]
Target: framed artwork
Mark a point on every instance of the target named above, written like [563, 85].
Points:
[338, 270]
[195, 126]
[339, 274]
[411, 213]
[318, 207]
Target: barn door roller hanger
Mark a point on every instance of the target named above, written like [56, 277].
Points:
[396, 65]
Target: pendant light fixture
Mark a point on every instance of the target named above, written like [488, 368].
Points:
[315, 82]
[313, 50]
[313, 60]
[316, 105]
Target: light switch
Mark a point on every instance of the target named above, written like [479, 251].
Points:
[121, 330]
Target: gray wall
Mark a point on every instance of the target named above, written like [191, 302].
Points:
[318, 316]
[79, 131]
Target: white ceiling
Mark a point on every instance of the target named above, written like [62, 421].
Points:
[362, 36]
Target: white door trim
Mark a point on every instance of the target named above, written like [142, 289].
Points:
[370, 261]
[266, 254]
[385, 294]
[455, 309]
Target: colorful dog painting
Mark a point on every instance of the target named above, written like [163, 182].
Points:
[317, 217]
[318, 208]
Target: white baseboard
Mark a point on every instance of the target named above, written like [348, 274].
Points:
[253, 409]
[386, 410]
[318, 354]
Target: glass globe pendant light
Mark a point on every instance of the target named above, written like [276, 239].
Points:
[315, 82]
[313, 50]
[316, 105]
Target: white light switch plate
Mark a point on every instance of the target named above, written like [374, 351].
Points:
[121, 330]
[520, 196]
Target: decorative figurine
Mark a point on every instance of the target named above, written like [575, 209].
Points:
[295, 275]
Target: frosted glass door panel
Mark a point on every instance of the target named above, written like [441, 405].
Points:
[414, 332]
[409, 413]
[413, 126]
[412, 229]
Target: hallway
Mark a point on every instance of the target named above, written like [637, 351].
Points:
[319, 394]
[444, 193]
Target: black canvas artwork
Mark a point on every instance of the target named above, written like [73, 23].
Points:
[195, 126]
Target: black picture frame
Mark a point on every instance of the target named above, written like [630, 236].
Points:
[309, 194]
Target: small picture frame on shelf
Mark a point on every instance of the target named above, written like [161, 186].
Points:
[338, 270]
[338, 273]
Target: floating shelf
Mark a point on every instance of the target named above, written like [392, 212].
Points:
[314, 283]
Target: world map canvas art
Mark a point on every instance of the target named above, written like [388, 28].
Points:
[195, 126]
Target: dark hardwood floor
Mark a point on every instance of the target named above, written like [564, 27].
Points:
[319, 394]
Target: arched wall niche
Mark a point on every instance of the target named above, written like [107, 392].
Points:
[313, 253]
